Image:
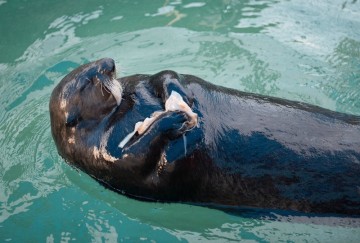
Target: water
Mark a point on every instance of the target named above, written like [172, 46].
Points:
[299, 50]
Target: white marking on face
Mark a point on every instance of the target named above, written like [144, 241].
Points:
[71, 139]
[96, 153]
[62, 104]
[116, 90]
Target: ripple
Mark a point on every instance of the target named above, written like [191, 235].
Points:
[268, 47]
[30, 167]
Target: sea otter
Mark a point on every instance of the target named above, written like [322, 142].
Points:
[243, 149]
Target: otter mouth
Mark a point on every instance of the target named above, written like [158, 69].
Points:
[111, 85]
[115, 88]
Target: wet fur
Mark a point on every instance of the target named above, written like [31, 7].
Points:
[249, 150]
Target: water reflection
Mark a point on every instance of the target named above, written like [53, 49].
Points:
[346, 2]
[223, 16]
[343, 84]
[30, 166]
[307, 51]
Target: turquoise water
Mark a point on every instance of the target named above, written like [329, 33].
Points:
[299, 50]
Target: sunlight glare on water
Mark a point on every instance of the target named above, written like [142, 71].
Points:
[300, 50]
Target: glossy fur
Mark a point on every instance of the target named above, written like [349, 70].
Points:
[248, 150]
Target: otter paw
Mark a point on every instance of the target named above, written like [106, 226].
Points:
[173, 123]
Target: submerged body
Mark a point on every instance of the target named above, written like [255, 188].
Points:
[247, 150]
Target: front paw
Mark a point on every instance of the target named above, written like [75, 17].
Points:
[173, 124]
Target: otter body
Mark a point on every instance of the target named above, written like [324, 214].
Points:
[247, 149]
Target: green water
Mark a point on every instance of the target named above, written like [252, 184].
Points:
[299, 50]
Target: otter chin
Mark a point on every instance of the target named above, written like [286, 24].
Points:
[177, 138]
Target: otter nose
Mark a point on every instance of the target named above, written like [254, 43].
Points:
[106, 65]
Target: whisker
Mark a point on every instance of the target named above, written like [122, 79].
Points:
[101, 88]
[106, 88]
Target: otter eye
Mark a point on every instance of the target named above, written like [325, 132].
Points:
[71, 123]
[72, 120]
[96, 81]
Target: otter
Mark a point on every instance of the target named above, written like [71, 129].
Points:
[245, 149]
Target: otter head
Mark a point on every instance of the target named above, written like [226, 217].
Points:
[82, 99]
[92, 113]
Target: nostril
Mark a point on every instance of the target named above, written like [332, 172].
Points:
[109, 63]
[108, 66]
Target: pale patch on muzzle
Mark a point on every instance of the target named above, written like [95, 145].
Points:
[115, 88]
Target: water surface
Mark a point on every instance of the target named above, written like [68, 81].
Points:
[300, 50]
